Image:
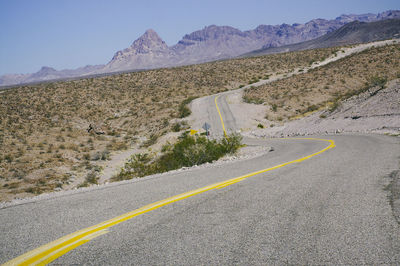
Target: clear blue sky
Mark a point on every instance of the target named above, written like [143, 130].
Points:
[73, 33]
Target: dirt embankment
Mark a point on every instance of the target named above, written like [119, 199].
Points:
[374, 111]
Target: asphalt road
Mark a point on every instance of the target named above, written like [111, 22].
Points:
[206, 111]
[329, 209]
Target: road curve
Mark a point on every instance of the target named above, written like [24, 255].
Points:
[329, 209]
[211, 109]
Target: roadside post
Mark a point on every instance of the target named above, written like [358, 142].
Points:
[206, 127]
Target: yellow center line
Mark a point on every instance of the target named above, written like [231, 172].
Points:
[220, 116]
[53, 250]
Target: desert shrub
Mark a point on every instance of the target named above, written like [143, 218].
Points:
[377, 81]
[312, 108]
[8, 158]
[178, 126]
[137, 164]
[188, 151]
[152, 140]
[334, 106]
[91, 178]
[252, 100]
[105, 155]
[183, 110]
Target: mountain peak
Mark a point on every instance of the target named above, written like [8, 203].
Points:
[152, 35]
[151, 31]
[149, 41]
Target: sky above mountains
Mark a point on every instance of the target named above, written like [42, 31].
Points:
[73, 33]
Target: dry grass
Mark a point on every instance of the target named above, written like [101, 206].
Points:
[323, 87]
[44, 143]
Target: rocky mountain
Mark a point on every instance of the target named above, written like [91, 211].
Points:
[220, 42]
[351, 33]
[146, 52]
[211, 43]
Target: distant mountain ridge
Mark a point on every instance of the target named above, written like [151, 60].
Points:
[211, 43]
[47, 73]
[351, 33]
[220, 42]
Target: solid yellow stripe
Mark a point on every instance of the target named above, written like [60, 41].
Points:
[49, 259]
[35, 256]
[220, 116]
[52, 256]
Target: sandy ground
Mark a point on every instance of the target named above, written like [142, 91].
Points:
[247, 116]
[113, 166]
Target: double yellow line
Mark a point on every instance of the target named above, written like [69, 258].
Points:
[220, 116]
[53, 250]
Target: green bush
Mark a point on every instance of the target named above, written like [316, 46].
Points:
[312, 108]
[178, 126]
[91, 178]
[377, 81]
[247, 99]
[188, 151]
[105, 155]
[183, 110]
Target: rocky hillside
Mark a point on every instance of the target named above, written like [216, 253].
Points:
[351, 33]
[211, 43]
[375, 110]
